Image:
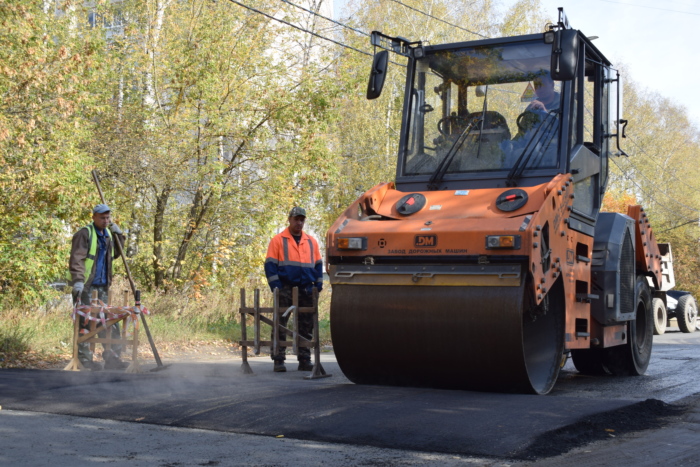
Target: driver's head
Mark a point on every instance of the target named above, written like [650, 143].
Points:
[544, 86]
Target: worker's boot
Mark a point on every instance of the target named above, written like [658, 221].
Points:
[279, 366]
[305, 365]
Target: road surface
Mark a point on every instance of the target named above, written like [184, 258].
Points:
[209, 413]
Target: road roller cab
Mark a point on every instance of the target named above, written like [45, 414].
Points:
[475, 264]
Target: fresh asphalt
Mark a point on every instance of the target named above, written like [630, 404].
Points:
[210, 413]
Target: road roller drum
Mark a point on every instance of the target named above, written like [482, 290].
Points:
[460, 337]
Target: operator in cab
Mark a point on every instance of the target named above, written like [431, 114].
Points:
[538, 127]
[547, 98]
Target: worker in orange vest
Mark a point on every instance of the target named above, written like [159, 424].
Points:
[294, 260]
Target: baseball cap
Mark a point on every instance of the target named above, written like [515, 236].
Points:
[101, 209]
[297, 211]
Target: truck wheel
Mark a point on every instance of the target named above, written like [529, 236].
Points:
[659, 311]
[632, 358]
[686, 313]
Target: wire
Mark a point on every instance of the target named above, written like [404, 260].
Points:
[307, 31]
[441, 20]
[326, 18]
[624, 173]
[695, 221]
[300, 28]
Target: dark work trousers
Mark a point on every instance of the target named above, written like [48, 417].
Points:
[84, 352]
[306, 324]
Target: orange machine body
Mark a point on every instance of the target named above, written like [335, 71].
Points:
[457, 224]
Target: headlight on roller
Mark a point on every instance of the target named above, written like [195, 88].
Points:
[352, 243]
[511, 242]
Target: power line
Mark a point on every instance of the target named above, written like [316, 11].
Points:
[679, 225]
[307, 31]
[326, 18]
[441, 20]
[300, 28]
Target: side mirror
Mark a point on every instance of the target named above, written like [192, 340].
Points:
[376, 78]
[564, 55]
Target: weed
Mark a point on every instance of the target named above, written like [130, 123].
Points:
[175, 320]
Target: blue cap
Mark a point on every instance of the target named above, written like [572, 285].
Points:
[101, 209]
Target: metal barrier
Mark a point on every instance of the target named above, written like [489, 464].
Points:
[101, 318]
[297, 340]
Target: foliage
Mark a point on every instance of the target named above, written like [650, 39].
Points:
[47, 78]
[13, 341]
[208, 121]
[662, 173]
[618, 202]
[219, 139]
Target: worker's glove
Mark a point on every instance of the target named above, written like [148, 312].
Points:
[115, 229]
[77, 291]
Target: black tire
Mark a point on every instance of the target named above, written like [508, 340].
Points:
[660, 316]
[687, 313]
[589, 361]
[632, 358]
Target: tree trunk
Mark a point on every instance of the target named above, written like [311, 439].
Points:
[158, 227]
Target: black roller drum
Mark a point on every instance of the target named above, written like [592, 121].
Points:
[410, 204]
[511, 200]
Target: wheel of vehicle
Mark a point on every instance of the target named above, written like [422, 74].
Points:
[687, 313]
[632, 358]
[659, 311]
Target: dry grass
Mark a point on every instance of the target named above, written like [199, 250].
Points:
[41, 337]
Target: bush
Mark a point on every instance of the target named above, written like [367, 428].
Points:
[14, 342]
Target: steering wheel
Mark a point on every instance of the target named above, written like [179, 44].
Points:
[529, 119]
[452, 122]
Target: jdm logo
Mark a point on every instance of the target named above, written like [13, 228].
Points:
[423, 241]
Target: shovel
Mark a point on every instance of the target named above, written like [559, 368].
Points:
[137, 293]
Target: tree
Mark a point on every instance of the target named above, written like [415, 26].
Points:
[48, 77]
[223, 129]
[662, 173]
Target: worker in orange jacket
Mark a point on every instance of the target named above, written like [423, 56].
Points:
[294, 260]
